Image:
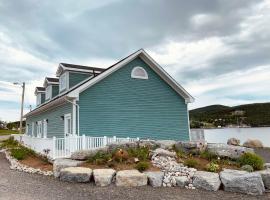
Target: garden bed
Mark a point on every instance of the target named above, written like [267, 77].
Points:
[37, 163]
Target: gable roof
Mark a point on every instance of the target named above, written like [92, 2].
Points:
[83, 85]
[146, 58]
[40, 89]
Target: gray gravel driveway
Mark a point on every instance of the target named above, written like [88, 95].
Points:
[20, 186]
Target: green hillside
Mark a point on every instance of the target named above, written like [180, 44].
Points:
[254, 115]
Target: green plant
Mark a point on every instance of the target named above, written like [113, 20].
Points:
[18, 154]
[142, 153]
[100, 158]
[247, 168]
[191, 162]
[208, 155]
[9, 143]
[142, 166]
[251, 159]
[212, 167]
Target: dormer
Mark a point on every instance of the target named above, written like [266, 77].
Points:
[40, 95]
[51, 86]
[70, 75]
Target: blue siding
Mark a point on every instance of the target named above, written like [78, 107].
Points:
[75, 78]
[125, 107]
[55, 122]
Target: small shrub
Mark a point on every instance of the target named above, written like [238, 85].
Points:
[121, 155]
[142, 153]
[142, 166]
[212, 167]
[251, 159]
[191, 162]
[18, 154]
[247, 168]
[100, 158]
[208, 155]
[9, 143]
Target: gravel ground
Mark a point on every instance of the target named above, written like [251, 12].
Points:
[20, 186]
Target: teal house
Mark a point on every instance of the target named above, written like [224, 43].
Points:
[135, 97]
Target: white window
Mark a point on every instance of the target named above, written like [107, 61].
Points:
[38, 99]
[39, 129]
[67, 124]
[33, 129]
[139, 72]
[63, 82]
[48, 92]
[45, 125]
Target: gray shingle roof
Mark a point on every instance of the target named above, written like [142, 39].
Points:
[72, 66]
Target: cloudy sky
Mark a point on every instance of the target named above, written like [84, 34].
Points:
[218, 50]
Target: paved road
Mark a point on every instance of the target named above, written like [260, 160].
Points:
[22, 186]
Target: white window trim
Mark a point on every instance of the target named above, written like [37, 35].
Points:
[139, 77]
[64, 86]
[38, 99]
[27, 129]
[39, 129]
[33, 129]
[48, 93]
[45, 128]
[66, 116]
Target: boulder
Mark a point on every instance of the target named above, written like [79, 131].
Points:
[166, 144]
[253, 144]
[230, 151]
[233, 141]
[182, 181]
[155, 178]
[191, 147]
[163, 152]
[266, 178]
[85, 154]
[62, 163]
[151, 144]
[130, 178]
[76, 174]
[206, 180]
[103, 177]
[242, 182]
[121, 145]
[266, 166]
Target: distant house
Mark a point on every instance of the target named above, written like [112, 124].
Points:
[135, 97]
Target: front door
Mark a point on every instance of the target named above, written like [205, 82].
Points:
[67, 125]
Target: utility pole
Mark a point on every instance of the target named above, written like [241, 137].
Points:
[22, 103]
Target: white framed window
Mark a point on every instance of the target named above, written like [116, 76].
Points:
[45, 128]
[33, 129]
[67, 124]
[63, 82]
[48, 93]
[39, 129]
[139, 72]
[38, 99]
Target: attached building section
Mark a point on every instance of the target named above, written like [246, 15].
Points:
[127, 106]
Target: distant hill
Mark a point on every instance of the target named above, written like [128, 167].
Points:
[254, 115]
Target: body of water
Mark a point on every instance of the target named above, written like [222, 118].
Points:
[223, 134]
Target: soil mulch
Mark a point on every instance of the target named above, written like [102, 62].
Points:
[37, 163]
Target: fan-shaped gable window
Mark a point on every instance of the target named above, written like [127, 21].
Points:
[139, 72]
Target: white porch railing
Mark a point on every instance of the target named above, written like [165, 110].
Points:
[64, 147]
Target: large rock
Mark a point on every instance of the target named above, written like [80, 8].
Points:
[182, 181]
[242, 182]
[122, 145]
[62, 163]
[266, 178]
[166, 144]
[103, 177]
[163, 152]
[233, 141]
[130, 178]
[266, 165]
[76, 174]
[253, 144]
[206, 180]
[151, 144]
[230, 151]
[191, 147]
[155, 178]
[85, 154]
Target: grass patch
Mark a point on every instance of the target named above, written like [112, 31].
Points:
[212, 167]
[251, 159]
[208, 155]
[9, 143]
[142, 166]
[142, 153]
[8, 132]
[191, 162]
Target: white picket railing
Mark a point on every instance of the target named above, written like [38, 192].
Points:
[64, 147]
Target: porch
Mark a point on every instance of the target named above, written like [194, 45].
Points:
[64, 147]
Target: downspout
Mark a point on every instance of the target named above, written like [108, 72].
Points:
[78, 114]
